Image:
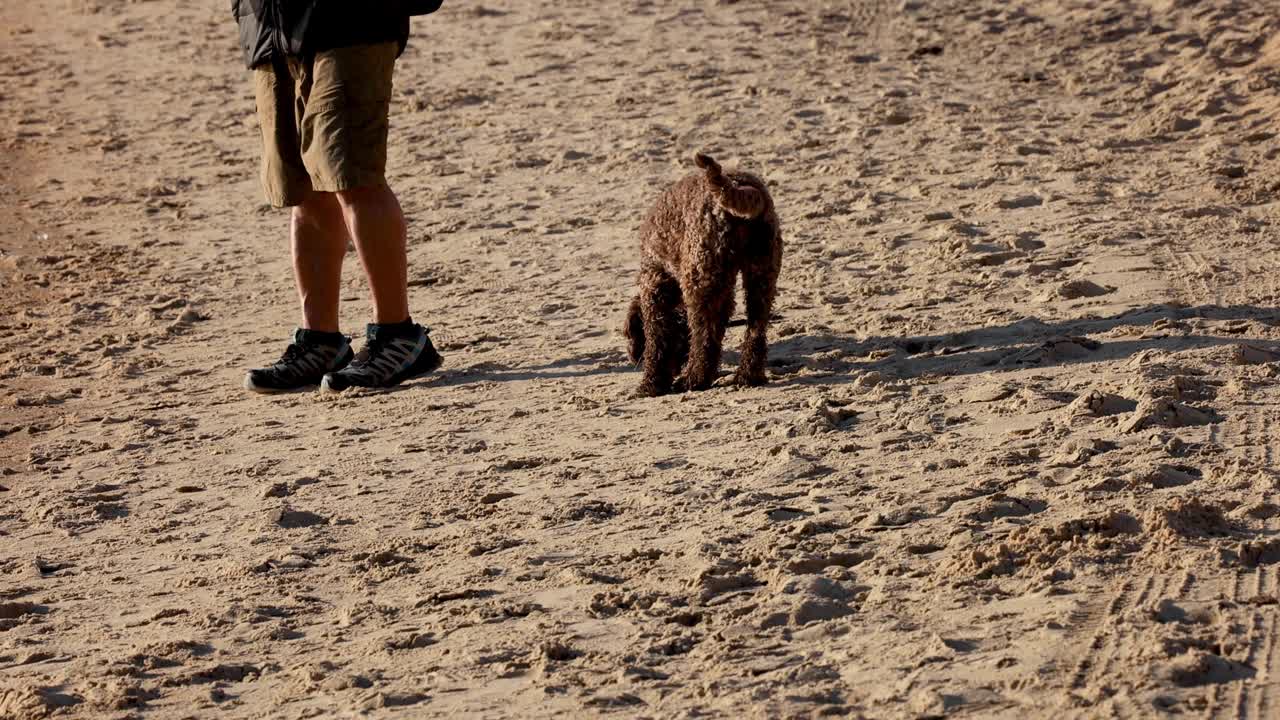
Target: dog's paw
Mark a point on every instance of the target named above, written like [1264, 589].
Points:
[645, 390]
[742, 379]
[696, 384]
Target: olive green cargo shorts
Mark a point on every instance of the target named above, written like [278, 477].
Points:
[324, 121]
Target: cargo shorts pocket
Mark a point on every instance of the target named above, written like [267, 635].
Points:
[284, 176]
[345, 123]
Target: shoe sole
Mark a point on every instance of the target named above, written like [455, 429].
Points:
[397, 380]
[253, 387]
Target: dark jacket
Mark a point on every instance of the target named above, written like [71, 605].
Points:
[272, 28]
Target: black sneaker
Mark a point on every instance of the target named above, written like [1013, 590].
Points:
[304, 363]
[391, 355]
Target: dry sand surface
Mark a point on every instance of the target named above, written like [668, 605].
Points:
[1017, 458]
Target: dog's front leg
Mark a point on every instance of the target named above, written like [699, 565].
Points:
[760, 286]
[708, 310]
[658, 300]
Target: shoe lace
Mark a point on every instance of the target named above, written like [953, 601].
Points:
[291, 353]
[373, 347]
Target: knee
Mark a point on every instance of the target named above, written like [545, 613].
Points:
[316, 208]
[362, 196]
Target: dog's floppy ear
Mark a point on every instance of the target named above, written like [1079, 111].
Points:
[633, 330]
[741, 200]
[706, 162]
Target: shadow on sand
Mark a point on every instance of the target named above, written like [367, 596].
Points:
[832, 358]
[1027, 343]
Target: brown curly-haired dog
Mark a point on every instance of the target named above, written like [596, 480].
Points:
[702, 232]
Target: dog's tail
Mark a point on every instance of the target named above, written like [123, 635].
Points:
[743, 201]
[633, 331]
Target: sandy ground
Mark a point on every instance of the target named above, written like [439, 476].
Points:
[1017, 459]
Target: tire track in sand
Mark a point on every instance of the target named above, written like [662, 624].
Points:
[1259, 694]
[1095, 662]
[1252, 698]
[1256, 697]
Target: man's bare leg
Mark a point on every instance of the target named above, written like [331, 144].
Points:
[318, 234]
[376, 224]
[397, 349]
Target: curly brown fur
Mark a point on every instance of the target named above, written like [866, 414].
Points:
[676, 350]
[702, 233]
